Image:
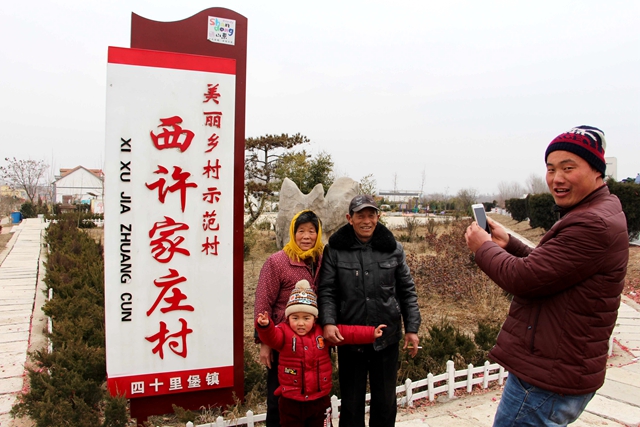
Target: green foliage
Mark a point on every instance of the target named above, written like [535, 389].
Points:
[304, 171]
[66, 384]
[183, 415]
[250, 240]
[319, 171]
[28, 210]
[517, 208]
[368, 185]
[541, 210]
[83, 207]
[489, 205]
[539, 207]
[629, 195]
[32, 210]
[255, 375]
[80, 217]
[464, 199]
[293, 166]
[445, 342]
[487, 335]
[115, 412]
[437, 205]
[262, 158]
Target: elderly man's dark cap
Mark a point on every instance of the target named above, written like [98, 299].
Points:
[362, 201]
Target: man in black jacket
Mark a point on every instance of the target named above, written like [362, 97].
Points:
[365, 280]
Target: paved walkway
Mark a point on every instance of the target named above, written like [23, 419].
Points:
[617, 403]
[21, 270]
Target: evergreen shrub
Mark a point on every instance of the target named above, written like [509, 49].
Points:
[629, 195]
[541, 211]
[487, 335]
[489, 205]
[67, 384]
[115, 412]
[517, 208]
[28, 210]
[445, 342]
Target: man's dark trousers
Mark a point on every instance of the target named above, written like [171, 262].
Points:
[354, 363]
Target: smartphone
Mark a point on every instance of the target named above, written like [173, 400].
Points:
[481, 217]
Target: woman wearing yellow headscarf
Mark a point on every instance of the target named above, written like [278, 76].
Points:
[299, 259]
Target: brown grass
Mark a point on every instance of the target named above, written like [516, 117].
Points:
[522, 228]
[4, 238]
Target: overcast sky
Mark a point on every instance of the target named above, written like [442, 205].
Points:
[468, 93]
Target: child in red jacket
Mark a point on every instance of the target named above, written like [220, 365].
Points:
[305, 365]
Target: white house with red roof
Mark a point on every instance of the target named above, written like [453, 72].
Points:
[78, 185]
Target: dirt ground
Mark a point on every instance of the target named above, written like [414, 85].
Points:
[522, 228]
[4, 238]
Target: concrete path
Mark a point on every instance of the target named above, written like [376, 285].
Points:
[617, 403]
[21, 270]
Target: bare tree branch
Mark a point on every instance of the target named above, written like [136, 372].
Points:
[27, 175]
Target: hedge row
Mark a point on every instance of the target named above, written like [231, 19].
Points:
[629, 195]
[67, 384]
[540, 208]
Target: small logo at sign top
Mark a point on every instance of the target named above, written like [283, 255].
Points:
[221, 30]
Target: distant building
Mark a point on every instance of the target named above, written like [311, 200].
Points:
[7, 191]
[612, 168]
[400, 196]
[78, 185]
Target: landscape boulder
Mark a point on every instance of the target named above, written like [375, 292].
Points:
[331, 209]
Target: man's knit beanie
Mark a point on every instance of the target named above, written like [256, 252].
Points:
[302, 299]
[586, 141]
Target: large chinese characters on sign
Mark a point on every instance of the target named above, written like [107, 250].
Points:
[169, 222]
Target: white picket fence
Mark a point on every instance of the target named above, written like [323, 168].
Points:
[411, 391]
[98, 222]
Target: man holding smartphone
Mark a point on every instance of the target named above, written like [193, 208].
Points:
[566, 291]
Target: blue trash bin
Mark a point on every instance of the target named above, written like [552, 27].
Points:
[16, 217]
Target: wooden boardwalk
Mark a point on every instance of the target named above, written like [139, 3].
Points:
[20, 271]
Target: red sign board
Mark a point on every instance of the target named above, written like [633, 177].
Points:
[174, 182]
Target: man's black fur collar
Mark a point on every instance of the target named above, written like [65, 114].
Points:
[345, 238]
